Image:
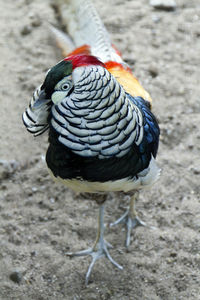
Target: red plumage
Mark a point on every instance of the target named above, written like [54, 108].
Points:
[83, 60]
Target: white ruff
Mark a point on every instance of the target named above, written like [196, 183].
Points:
[145, 179]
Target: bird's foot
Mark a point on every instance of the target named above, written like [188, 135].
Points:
[99, 250]
[131, 222]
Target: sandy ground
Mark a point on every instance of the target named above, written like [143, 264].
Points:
[40, 221]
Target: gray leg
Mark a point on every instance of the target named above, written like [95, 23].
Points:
[130, 219]
[99, 249]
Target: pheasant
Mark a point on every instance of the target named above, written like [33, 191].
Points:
[103, 136]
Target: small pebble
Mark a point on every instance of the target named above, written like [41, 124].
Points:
[26, 30]
[153, 70]
[173, 254]
[167, 5]
[35, 19]
[33, 253]
[190, 146]
[52, 200]
[34, 189]
[36, 22]
[7, 168]
[196, 171]
[16, 277]
[156, 19]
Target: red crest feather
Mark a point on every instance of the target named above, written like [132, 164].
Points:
[83, 60]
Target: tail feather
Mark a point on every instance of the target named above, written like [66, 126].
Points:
[83, 23]
[90, 36]
[63, 41]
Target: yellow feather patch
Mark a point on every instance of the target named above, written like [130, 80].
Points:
[129, 82]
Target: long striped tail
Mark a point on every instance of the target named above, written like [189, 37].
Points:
[84, 25]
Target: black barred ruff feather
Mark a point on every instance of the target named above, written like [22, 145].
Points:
[98, 132]
[97, 119]
[36, 115]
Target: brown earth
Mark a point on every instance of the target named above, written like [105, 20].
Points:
[40, 221]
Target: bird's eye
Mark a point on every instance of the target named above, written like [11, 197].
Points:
[65, 86]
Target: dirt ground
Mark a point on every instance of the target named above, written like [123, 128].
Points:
[40, 221]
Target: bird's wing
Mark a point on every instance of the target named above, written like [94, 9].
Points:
[89, 35]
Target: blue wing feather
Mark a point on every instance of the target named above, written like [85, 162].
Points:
[151, 128]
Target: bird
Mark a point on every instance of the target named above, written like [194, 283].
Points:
[103, 136]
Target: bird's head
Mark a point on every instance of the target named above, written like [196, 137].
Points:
[59, 82]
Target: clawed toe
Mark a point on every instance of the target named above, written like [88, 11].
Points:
[99, 250]
[131, 222]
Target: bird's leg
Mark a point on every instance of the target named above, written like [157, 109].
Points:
[100, 247]
[130, 218]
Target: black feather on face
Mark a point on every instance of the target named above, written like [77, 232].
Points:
[62, 69]
[37, 116]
